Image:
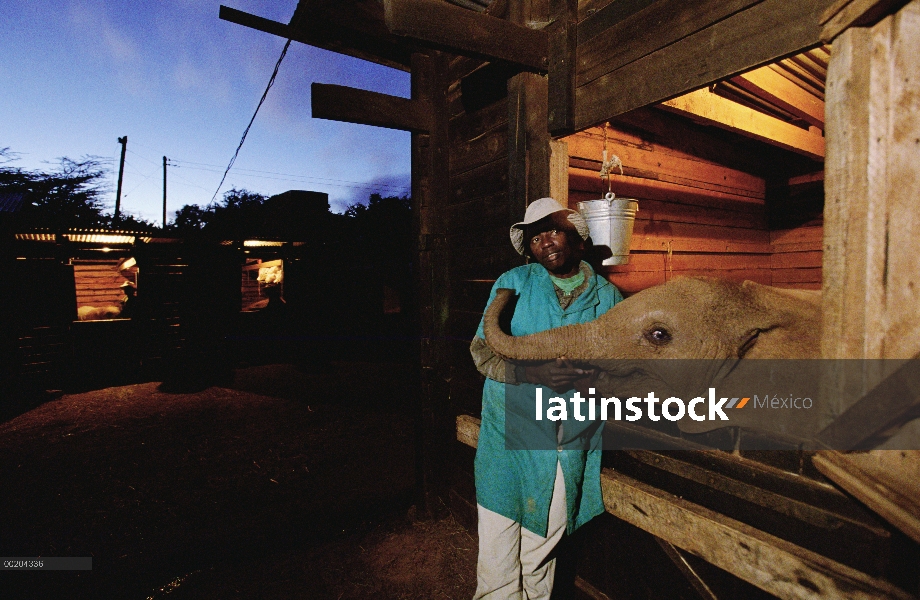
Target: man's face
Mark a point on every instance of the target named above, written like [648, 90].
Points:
[558, 249]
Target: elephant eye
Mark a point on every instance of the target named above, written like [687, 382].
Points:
[658, 336]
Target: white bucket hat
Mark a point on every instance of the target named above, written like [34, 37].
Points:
[540, 209]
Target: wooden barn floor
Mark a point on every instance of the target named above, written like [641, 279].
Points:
[285, 485]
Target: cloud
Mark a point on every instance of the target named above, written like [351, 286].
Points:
[91, 21]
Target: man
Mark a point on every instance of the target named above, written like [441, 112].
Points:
[128, 305]
[536, 481]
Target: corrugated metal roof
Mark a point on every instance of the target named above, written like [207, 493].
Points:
[11, 201]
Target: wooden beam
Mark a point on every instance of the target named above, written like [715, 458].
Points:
[707, 108]
[772, 564]
[464, 31]
[635, 29]
[855, 13]
[468, 430]
[254, 21]
[886, 481]
[769, 85]
[430, 196]
[871, 289]
[325, 36]
[528, 141]
[752, 482]
[341, 103]
[562, 52]
[878, 414]
[559, 171]
[760, 34]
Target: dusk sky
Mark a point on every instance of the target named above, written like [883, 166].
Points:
[181, 83]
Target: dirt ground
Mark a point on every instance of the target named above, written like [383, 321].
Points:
[287, 484]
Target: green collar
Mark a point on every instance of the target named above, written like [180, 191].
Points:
[568, 285]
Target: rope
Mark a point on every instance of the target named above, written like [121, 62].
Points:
[271, 82]
[608, 165]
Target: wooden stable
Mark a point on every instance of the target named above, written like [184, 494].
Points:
[765, 140]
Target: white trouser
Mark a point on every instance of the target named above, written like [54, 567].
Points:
[515, 563]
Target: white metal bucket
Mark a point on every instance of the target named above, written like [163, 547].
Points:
[610, 221]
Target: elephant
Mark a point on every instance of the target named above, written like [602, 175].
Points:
[716, 320]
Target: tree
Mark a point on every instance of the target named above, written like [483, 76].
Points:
[237, 216]
[69, 196]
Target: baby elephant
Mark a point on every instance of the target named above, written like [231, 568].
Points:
[714, 321]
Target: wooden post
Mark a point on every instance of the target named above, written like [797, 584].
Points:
[562, 56]
[871, 223]
[164, 192]
[429, 200]
[121, 173]
[528, 136]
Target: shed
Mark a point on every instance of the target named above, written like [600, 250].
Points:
[765, 140]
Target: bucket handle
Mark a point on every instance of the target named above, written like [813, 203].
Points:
[609, 196]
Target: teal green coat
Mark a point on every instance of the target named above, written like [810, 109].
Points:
[517, 483]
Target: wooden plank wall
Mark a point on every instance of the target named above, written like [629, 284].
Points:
[478, 213]
[696, 216]
[797, 232]
[97, 282]
[251, 289]
[476, 220]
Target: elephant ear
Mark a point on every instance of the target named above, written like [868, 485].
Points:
[769, 408]
[787, 322]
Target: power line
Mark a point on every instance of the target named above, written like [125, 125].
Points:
[271, 81]
[301, 178]
[284, 176]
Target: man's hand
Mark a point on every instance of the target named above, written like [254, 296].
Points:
[559, 375]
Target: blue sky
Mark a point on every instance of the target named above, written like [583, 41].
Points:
[181, 83]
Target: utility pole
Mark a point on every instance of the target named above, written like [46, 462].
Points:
[121, 173]
[164, 192]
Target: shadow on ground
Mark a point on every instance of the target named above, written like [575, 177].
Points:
[287, 484]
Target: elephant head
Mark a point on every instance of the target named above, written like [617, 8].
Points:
[692, 317]
[686, 318]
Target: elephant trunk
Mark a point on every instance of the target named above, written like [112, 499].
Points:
[568, 341]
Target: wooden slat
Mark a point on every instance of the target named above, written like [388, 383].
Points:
[637, 187]
[321, 36]
[468, 430]
[763, 33]
[855, 13]
[708, 108]
[467, 32]
[605, 45]
[885, 480]
[644, 158]
[778, 90]
[792, 260]
[877, 414]
[754, 487]
[488, 147]
[598, 19]
[341, 103]
[561, 69]
[772, 564]
[784, 276]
